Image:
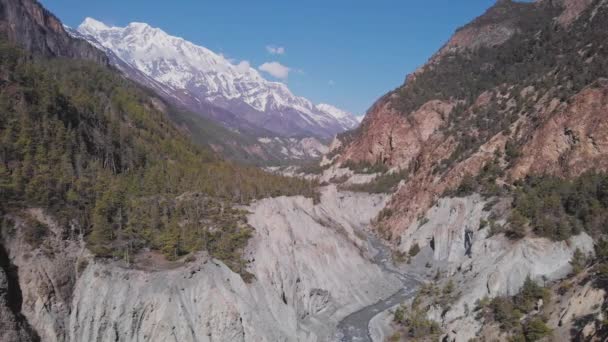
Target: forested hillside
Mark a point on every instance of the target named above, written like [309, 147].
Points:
[101, 155]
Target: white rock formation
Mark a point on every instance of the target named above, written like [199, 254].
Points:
[480, 265]
[310, 266]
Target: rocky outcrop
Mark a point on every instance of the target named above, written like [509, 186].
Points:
[572, 10]
[494, 27]
[579, 303]
[394, 139]
[13, 326]
[28, 24]
[46, 275]
[572, 139]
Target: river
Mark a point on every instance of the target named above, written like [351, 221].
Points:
[355, 327]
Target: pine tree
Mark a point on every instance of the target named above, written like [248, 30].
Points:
[101, 233]
[6, 185]
[578, 261]
[171, 240]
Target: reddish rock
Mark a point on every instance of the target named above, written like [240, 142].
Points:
[572, 10]
[571, 140]
[394, 139]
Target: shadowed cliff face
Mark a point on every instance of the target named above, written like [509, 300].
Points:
[13, 325]
[28, 24]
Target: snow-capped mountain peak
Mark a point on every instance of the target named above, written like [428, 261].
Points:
[348, 119]
[92, 24]
[333, 111]
[209, 77]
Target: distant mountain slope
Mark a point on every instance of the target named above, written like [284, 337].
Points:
[197, 78]
[216, 127]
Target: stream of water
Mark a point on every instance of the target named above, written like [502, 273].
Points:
[355, 327]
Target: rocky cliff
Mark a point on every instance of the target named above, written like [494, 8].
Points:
[13, 325]
[31, 26]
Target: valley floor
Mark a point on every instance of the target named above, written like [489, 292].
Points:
[356, 326]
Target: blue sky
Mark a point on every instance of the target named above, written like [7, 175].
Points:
[343, 52]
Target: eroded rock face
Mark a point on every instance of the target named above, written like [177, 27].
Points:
[395, 139]
[13, 326]
[572, 10]
[46, 276]
[448, 228]
[28, 24]
[423, 188]
[301, 254]
[481, 265]
[309, 263]
[572, 140]
[582, 302]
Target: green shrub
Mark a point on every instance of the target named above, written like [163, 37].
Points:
[517, 225]
[535, 329]
[416, 322]
[414, 250]
[313, 168]
[365, 167]
[529, 295]
[559, 208]
[578, 261]
[602, 275]
[384, 183]
[505, 313]
[34, 232]
[400, 314]
[509, 311]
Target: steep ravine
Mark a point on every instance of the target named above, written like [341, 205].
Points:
[312, 268]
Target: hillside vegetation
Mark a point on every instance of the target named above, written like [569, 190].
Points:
[99, 153]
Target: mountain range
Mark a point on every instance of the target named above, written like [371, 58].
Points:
[198, 78]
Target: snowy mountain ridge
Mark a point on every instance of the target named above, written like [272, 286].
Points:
[209, 77]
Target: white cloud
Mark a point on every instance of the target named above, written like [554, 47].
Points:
[243, 66]
[275, 69]
[275, 50]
